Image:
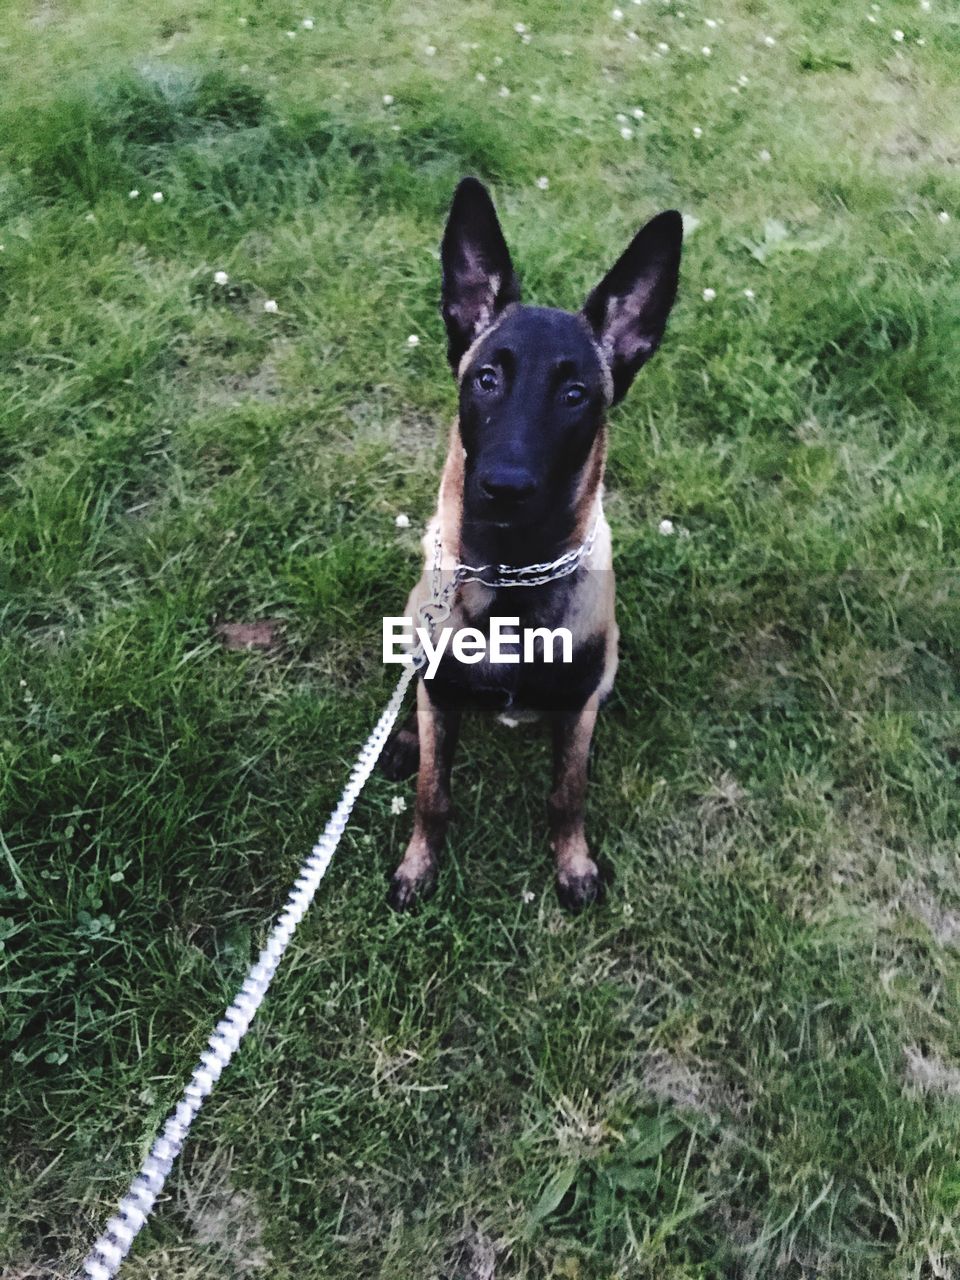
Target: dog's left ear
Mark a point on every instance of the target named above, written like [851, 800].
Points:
[628, 309]
[478, 276]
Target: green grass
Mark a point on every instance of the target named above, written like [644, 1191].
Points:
[746, 1063]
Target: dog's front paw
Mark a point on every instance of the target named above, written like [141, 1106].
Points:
[400, 757]
[407, 890]
[578, 889]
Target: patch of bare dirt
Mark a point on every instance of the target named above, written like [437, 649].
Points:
[262, 634]
[908, 146]
[928, 1073]
[227, 1218]
[44, 15]
[263, 385]
[472, 1257]
[725, 799]
[693, 1087]
[942, 923]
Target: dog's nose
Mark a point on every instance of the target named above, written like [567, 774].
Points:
[508, 484]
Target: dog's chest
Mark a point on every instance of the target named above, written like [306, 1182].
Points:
[531, 681]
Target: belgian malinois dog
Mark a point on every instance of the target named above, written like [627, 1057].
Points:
[522, 485]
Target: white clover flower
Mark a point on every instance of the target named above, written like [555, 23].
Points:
[663, 47]
[242, 22]
[525, 38]
[706, 51]
[620, 118]
[665, 527]
[898, 36]
[711, 23]
[543, 183]
[638, 113]
[709, 295]
[536, 98]
[134, 194]
[388, 99]
[402, 520]
[157, 197]
[872, 18]
[925, 5]
[520, 28]
[271, 307]
[743, 81]
[632, 35]
[749, 295]
[481, 78]
[291, 35]
[626, 133]
[56, 758]
[764, 156]
[498, 61]
[307, 24]
[616, 15]
[221, 277]
[769, 41]
[413, 340]
[943, 216]
[697, 131]
[430, 50]
[398, 805]
[504, 91]
[528, 896]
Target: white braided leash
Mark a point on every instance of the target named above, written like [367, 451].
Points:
[104, 1259]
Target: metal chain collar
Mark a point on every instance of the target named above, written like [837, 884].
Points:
[437, 609]
[527, 575]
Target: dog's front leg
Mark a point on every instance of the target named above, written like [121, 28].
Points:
[437, 729]
[577, 878]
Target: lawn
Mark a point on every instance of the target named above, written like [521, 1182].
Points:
[745, 1063]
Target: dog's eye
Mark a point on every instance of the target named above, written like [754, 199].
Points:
[487, 378]
[574, 395]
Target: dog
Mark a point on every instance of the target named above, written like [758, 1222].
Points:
[522, 485]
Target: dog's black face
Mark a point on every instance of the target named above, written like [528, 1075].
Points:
[532, 398]
[535, 382]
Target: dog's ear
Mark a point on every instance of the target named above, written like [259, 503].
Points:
[478, 276]
[628, 309]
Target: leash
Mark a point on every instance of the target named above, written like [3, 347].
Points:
[103, 1261]
[112, 1246]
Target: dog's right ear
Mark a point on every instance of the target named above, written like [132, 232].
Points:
[478, 276]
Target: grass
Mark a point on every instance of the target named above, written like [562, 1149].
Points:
[746, 1063]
